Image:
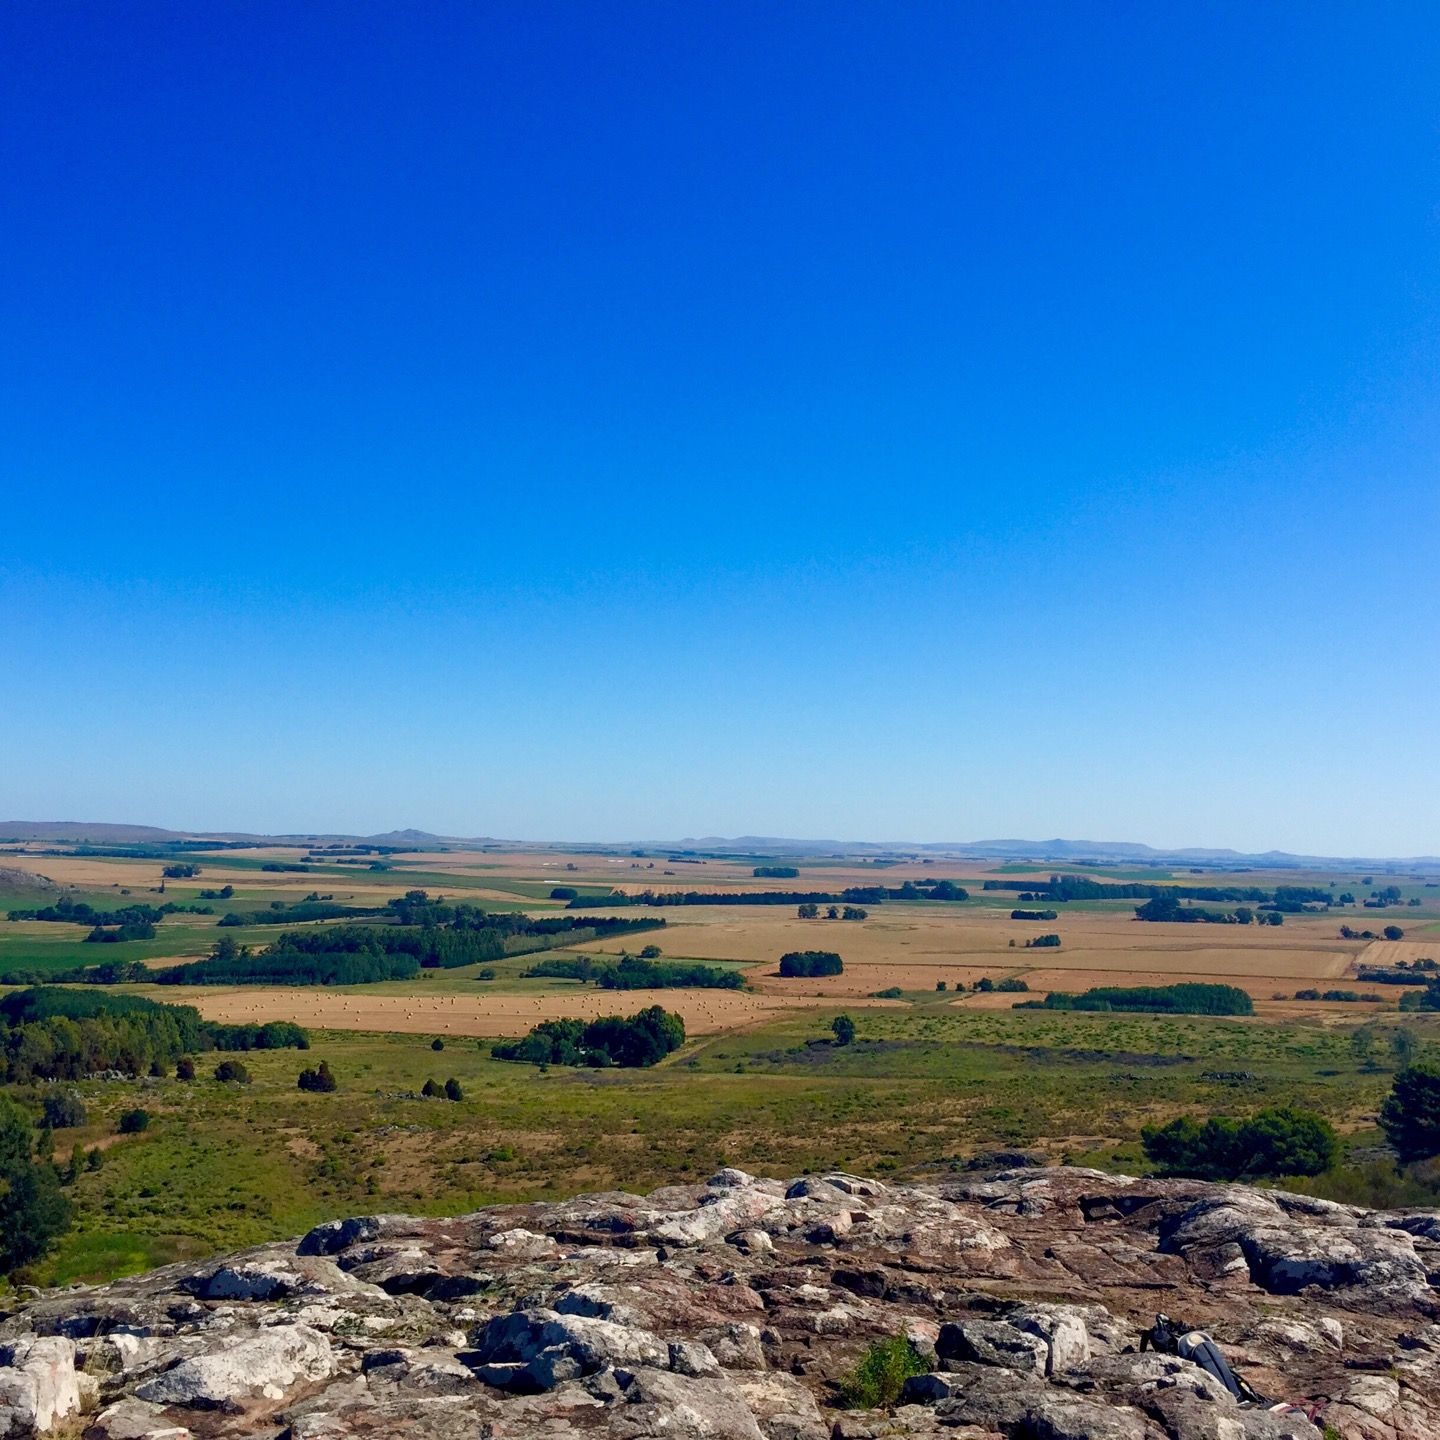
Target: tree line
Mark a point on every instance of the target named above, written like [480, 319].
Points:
[49, 1033]
[1188, 998]
[1288, 898]
[632, 972]
[854, 894]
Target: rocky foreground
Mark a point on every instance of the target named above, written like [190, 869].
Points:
[727, 1311]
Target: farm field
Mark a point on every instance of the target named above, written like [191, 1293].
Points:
[933, 1076]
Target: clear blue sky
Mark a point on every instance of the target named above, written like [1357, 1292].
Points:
[928, 420]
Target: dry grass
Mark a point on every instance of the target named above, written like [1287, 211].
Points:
[706, 1012]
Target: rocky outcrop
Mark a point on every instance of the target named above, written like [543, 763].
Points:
[731, 1310]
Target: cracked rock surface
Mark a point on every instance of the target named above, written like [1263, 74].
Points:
[728, 1310]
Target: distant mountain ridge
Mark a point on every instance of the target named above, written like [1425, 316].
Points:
[1058, 851]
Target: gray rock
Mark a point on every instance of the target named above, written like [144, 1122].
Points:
[270, 1366]
[38, 1385]
[989, 1342]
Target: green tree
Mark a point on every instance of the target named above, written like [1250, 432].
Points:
[844, 1028]
[1394, 932]
[1403, 1046]
[63, 1110]
[453, 1090]
[1273, 1142]
[1410, 1116]
[1364, 1042]
[33, 1212]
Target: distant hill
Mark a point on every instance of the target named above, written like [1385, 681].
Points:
[1058, 851]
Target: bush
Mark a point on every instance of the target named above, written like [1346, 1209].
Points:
[132, 1122]
[1011, 984]
[844, 1028]
[890, 992]
[1410, 1116]
[437, 1044]
[63, 1110]
[453, 1090]
[432, 1090]
[1274, 1142]
[1394, 932]
[804, 963]
[877, 1380]
[319, 1080]
[232, 1072]
[184, 1068]
[650, 952]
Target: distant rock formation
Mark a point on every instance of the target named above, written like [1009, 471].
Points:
[727, 1310]
[13, 881]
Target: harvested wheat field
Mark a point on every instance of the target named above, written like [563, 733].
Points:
[933, 944]
[706, 1012]
[1383, 954]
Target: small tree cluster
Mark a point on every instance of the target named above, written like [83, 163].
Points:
[320, 1080]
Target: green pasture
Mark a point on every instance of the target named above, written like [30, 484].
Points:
[226, 1166]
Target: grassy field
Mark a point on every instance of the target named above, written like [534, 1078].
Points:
[932, 1078]
[223, 1166]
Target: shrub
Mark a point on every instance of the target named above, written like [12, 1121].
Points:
[1274, 1142]
[844, 1028]
[890, 992]
[1394, 932]
[437, 1044]
[184, 1068]
[877, 1380]
[132, 1122]
[453, 1090]
[1410, 1116]
[432, 1090]
[232, 1072]
[63, 1110]
[320, 1080]
[650, 952]
[804, 963]
[1012, 984]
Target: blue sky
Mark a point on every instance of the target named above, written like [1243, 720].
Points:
[605, 421]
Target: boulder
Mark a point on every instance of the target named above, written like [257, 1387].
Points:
[39, 1387]
[270, 1365]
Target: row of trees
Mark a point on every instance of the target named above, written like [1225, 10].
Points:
[1168, 909]
[633, 972]
[832, 912]
[51, 1033]
[852, 895]
[76, 912]
[1184, 999]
